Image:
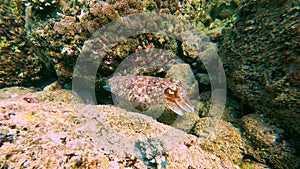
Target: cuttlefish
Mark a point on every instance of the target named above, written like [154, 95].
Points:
[146, 92]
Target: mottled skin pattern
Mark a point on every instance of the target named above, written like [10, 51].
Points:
[144, 92]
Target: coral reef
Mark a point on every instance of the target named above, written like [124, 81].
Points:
[58, 40]
[42, 39]
[260, 54]
[18, 64]
[49, 34]
[210, 16]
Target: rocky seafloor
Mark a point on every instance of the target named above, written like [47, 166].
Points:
[50, 127]
[53, 128]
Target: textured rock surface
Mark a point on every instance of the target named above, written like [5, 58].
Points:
[268, 142]
[226, 139]
[261, 56]
[18, 64]
[48, 128]
[51, 33]
[63, 132]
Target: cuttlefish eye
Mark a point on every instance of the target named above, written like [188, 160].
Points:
[171, 91]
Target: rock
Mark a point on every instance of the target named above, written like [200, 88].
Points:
[261, 56]
[15, 92]
[66, 96]
[204, 82]
[222, 139]
[51, 93]
[268, 143]
[62, 133]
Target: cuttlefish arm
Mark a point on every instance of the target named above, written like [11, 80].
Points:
[177, 100]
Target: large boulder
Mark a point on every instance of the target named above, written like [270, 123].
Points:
[54, 128]
[261, 56]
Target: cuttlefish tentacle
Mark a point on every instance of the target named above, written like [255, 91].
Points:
[178, 101]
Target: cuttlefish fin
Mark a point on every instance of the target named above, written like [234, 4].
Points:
[107, 87]
[128, 104]
[141, 106]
